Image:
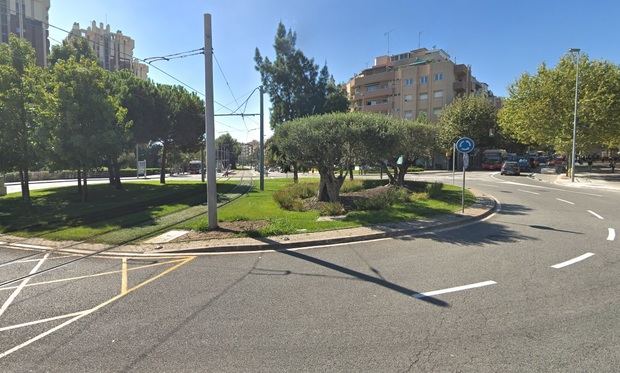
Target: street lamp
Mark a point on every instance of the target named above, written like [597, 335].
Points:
[575, 51]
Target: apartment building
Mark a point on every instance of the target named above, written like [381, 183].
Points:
[413, 84]
[28, 19]
[113, 49]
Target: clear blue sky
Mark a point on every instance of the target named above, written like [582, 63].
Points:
[499, 39]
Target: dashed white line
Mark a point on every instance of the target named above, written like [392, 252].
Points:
[41, 321]
[572, 261]
[595, 214]
[454, 289]
[565, 201]
[28, 246]
[611, 235]
[527, 191]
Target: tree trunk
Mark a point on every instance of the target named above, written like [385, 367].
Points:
[79, 180]
[402, 171]
[162, 172]
[295, 174]
[329, 186]
[117, 175]
[25, 187]
[389, 175]
[85, 188]
[111, 171]
[351, 168]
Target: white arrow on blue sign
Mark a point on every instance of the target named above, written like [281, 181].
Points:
[465, 145]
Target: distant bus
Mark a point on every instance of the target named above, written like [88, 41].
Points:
[492, 159]
[194, 167]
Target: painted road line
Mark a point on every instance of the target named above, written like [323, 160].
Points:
[527, 191]
[542, 187]
[455, 289]
[19, 288]
[565, 201]
[123, 275]
[595, 214]
[572, 261]
[168, 236]
[94, 309]
[41, 321]
[611, 235]
[28, 246]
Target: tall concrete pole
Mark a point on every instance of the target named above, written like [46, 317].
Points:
[572, 166]
[262, 141]
[20, 4]
[210, 126]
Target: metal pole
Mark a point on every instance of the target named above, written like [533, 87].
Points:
[572, 176]
[138, 163]
[210, 126]
[20, 4]
[262, 142]
[463, 190]
[453, 162]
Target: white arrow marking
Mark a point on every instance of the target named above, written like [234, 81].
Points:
[595, 214]
[454, 289]
[572, 261]
[611, 235]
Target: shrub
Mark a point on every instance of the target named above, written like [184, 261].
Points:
[434, 190]
[332, 209]
[384, 199]
[352, 186]
[418, 196]
[290, 197]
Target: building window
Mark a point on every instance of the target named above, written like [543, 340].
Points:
[437, 111]
[438, 94]
[408, 82]
[439, 76]
[376, 102]
[408, 98]
[372, 87]
[424, 79]
[423, 96]
[408, 114]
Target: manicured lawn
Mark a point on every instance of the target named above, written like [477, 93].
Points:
[59, 214]
[261, 206]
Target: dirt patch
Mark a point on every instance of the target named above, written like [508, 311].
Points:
[226, 229]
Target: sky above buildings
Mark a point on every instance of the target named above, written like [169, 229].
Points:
[499, 39]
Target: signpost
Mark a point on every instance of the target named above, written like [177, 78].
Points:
[464, 145]
[142, 168]
[2, 187]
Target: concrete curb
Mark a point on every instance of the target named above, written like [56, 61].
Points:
[488, 204]
[267, 244]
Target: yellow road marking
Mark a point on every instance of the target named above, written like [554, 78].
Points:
[123, 275]
[91, 310]
[93, 275]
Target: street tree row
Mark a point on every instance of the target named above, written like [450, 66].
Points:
[76, 115]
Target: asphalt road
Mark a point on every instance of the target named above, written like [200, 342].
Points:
[498, 295]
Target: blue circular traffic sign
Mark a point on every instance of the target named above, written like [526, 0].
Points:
[465, 145]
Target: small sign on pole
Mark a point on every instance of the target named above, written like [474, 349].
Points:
[464, 145]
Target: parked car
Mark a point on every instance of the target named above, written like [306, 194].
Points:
[524, 165]
[510, 168]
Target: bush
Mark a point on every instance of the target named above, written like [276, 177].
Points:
[418, 196]
[384, 199]
[332, 209]
[352, 186]
[434, 190]
[290, 197]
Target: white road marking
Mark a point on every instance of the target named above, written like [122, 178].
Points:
[527, 191]
[19, 288]
[542, 187]
[572, 261]
[41, 321]
[611, 235]
[168, 236]
[595, 214]
[565, 201]
[28, 246]
[454, 289]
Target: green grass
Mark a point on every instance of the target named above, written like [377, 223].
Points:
[59, 214]
[259, 205]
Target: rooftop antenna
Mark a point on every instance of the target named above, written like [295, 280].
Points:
[388, 39]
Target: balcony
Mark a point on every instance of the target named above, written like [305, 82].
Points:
[376, 108]
[459, 87]
[375, 78]
[374, 94]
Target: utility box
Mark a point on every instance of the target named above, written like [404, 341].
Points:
[2, 187]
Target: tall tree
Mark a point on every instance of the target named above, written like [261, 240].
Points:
[88, 118]
[77, 48]
[229, 149]
[471, 116]
[539, 108]
[26, 105]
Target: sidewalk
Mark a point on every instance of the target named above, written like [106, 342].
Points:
[594, 180]
[485, 206]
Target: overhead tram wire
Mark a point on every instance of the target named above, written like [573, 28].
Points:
[231, 92]
[139, 59]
